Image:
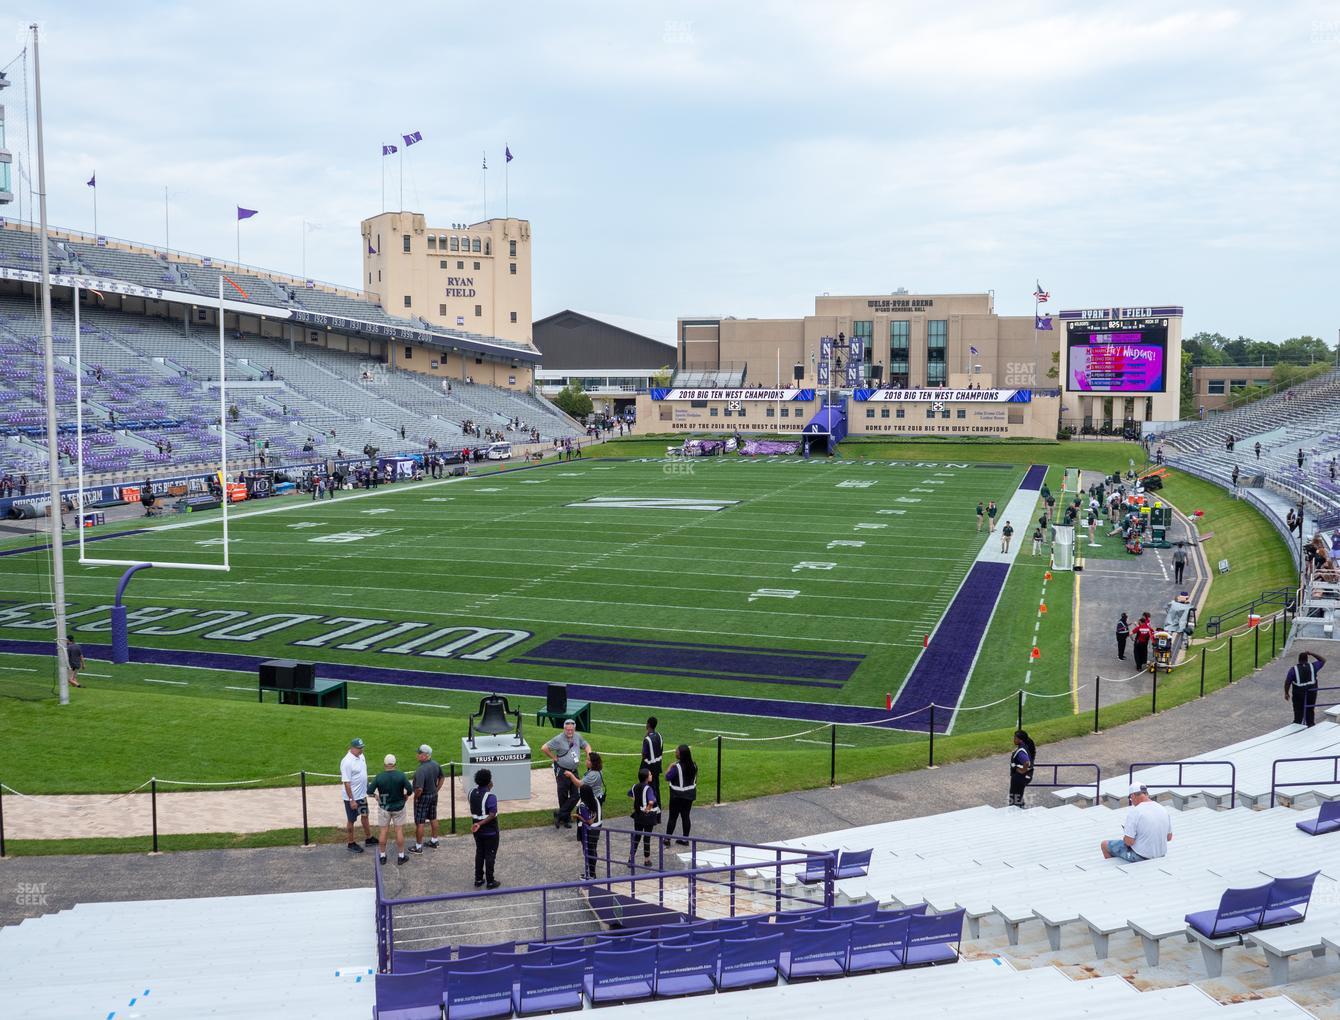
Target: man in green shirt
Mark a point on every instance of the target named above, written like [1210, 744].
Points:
[392, 788]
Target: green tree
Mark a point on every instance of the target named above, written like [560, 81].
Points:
[1304, 350]
[1188, 392]
[1205, 348]
[573, 402]
[662, 376]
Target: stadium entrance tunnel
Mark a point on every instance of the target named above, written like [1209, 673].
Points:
[826, 429]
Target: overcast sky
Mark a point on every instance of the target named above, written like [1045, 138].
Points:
[684, 158]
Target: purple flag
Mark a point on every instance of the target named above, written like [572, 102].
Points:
[246, 214]
[389, 150]
[972, 350]
[412, 137]
[1042, 322]
[508, 153]
[371, 250]
[93, 181]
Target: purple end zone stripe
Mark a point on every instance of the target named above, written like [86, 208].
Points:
[683, 674]
[631, 656]
[940, 673]
[1033, 476]
[95, 538]
[802, 711]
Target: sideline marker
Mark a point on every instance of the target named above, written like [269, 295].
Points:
[926, 641]
[1035, 653]
[888, 702]
[1042, 607]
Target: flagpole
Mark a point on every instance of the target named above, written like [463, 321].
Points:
[401, 161]
[507, 185]
[167, 223]
[304, 250]
[383, 182]
[49, 360]
[95, 205]
[239, 240]
[484, 172]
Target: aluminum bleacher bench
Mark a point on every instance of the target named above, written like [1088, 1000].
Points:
[1315, 935]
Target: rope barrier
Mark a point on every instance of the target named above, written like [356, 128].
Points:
[43, 798]
[788, 736]
[236, 782]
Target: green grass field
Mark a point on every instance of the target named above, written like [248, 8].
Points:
[823, 559]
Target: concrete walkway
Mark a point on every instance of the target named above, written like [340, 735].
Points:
[532, 856]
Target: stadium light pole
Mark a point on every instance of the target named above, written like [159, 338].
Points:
[49, 356]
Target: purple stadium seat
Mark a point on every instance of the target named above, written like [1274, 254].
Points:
[698, 938]
[416, 995]
[1286, 896]
[687, 969]
[749, 963]
[576, 958]
[1328, 820]
[854, 911]
[815, 866]
[405, 960]
[579, 940]
[818, 952]
[468, 965]
[540, 956]
[479, 994]
[548, 989]
[877, 944]
[933, 938]
[916, 908]
[1239, 910]
[735, 927]
[464, 952]
[621, 975]
[853, 864]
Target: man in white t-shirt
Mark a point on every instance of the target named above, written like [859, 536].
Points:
[1146, 832]
[354, 793]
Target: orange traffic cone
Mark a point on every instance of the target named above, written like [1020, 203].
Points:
[1047, 576]
[1042, 607]
[1036, 654]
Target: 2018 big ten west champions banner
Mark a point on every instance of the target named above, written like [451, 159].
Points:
[771, 396]
[943, 396]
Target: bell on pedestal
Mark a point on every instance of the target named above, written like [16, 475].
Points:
[492, 716]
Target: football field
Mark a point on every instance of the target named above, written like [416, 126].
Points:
[771, 580]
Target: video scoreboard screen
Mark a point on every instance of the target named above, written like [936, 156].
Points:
[1117, 355]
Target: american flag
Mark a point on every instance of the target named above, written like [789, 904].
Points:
[1040, 295]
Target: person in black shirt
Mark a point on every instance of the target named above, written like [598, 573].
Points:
[74, 656]
[1300, 687]
[682, 778]
[1021, 766]
[589, 820]
[652, 752]
[484, 826]
[1123, 632]
[646, 815]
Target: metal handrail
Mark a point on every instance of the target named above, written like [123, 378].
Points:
[1056, 769]
[1334, 759]
[1274, 596]
[1231, 785]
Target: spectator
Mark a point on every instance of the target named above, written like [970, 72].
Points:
[354, 793]
[1235, 476]
[1144, 631]
[682, 778]
[566, 750]
[595, 776]
[652, 752]
[590, 816]
[1258, 449]
[1300, 458]
[428, 780]
[646, 815]
[1145, 834]
[392, 788]
[74, 656]
[1300, 687]
[1021, 766]
[484, 827]
[1123, 632]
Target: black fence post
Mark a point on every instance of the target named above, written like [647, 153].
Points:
[1203, 652]
[1021, 709]
[832, 755]
[1256, 645]
[452, 767]
[2, 822]
[1230, 658]
[1154, 693]
[305, 840]
[718, 768]
[930, 764]
[1274, 626]
[1097, 698]
[153, 805]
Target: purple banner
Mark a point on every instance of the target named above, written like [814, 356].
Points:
[768, 447]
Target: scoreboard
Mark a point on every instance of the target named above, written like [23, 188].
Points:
[1126, 355]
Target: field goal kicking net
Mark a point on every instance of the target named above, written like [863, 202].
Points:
[84, 558]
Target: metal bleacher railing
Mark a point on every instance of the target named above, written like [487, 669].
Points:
[1181, 766]
[544, 912]
[1276, 784]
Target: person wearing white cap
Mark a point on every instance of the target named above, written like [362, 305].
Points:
[354, 794]
[428, 780]
[392, 788]
[1146, 832]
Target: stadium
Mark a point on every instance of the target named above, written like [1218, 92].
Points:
[963, 631]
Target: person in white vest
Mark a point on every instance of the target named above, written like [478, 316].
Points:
[1300, 687]
[682, 778]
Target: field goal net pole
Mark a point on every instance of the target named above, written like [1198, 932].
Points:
[85, 560]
